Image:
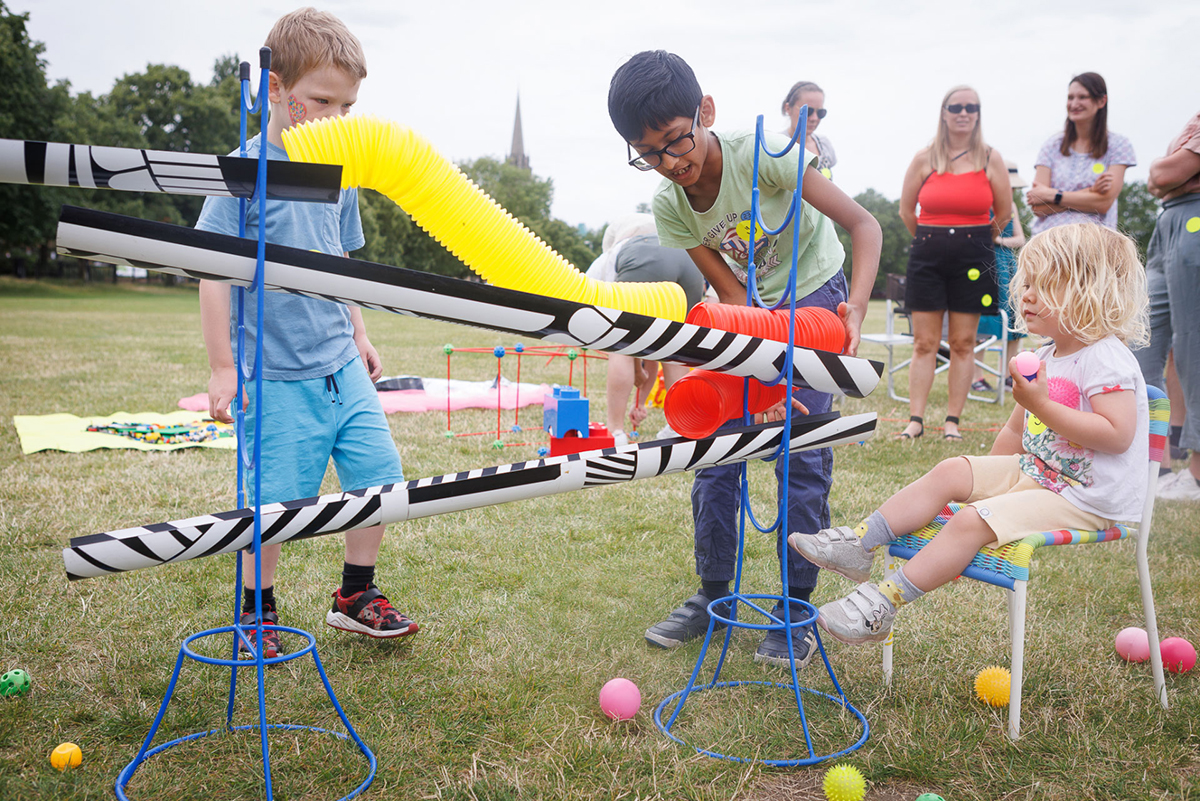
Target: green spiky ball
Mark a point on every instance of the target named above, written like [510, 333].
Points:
[844, 783]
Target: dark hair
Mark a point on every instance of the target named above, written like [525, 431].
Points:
[1097, 88]
[794, 93]
[649, 90]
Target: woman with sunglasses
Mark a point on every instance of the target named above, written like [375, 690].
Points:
[1080, 172]
[962, 188]
[808, 93]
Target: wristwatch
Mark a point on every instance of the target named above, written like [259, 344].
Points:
[1058, 198]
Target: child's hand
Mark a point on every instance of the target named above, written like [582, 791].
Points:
[1032, 395]
[637, 414]
[222, 386]
[370, 358]
[778, 411]
[853, 322]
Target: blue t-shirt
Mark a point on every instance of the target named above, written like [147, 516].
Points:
[302, 337]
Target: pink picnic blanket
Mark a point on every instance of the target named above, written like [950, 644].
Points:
[432, 396]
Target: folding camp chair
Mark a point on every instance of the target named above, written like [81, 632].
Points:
[1009, 566]
[891, 339]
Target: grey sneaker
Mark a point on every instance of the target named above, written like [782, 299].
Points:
[686, 623]
[773, 650]
[864, 615]
[835, 549]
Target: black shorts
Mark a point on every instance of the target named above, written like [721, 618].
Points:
[952, 269]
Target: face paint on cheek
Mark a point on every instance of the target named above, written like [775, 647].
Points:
[296, 110]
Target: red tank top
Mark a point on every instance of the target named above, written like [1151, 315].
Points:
[949, 199]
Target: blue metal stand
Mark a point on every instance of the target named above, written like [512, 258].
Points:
[725, 610]
[250, 637]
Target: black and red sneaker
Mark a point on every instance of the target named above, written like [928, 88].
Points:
[368, 612]
[271, 645]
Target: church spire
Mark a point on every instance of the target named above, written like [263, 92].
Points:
[517, 156]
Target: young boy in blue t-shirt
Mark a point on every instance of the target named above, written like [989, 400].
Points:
[703, 205]
[319, 399]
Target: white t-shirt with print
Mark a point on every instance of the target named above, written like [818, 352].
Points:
[1111, 485]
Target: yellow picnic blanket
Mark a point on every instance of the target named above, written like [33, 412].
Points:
[66, 432]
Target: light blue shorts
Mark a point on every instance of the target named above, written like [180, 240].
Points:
[307, 422]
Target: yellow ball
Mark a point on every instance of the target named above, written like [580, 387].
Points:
[844, 783]
[66, 755]
[992, 685]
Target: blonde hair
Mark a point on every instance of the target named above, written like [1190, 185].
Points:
[939, 152]
[307, 40]
[1091, 277]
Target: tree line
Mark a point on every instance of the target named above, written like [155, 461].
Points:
[163, 108]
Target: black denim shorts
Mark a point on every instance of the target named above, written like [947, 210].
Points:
[952, 269]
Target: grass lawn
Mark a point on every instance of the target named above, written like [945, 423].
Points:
[525, 611]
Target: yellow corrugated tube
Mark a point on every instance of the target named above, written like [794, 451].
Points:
[398, 163]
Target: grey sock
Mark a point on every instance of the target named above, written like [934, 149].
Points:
[899, 590]
[874, 531]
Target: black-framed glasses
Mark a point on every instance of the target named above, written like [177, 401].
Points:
[957, 108]
[820, 112]
[679, 147]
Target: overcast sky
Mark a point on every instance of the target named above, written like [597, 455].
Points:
[452, 71]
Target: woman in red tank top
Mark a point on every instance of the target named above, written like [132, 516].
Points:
[961, 186]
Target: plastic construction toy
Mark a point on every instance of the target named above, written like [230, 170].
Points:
[844, 783]
[158, 434]
[565, 412]
[15, 682]
[992, 686]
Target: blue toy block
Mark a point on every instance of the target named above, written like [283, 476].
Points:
[565, 411]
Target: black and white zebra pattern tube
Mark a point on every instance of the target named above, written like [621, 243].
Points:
[167, 248]
[225, 532]
[132, 170]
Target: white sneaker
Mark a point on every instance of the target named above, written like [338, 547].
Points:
[837, 549]
[666, 432]
[620, 439]
[1166, 480]
[1183, 488]
[864, 615]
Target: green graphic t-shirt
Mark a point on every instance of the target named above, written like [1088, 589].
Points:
[726, 226]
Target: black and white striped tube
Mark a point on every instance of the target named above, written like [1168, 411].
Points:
[133, 170]
[225, 532]
[167, 248]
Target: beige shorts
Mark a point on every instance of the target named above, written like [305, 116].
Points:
[1015, 506]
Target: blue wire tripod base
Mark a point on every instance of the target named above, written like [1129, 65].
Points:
[725, 611]
[249, 634]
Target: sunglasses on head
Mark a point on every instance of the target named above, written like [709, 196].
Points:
[957, 108]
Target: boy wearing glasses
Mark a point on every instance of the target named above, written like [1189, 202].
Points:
[703, 206]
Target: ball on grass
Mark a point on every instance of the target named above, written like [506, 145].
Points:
[620, 699]
[66, 755]
[1133, 644]
[14, 682]
[930, 797]
[844, 783]
[992, 686]
[1178, 655]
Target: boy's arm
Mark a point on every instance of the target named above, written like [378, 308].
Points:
[866, 239]
[214, 325]
[714, 269]
[1008, 441]
[370, 357]
[1109, 427]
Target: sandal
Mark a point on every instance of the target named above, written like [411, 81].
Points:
[952, 437]
[919, 434]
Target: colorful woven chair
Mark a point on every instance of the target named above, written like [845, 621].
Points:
[1009, 566]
